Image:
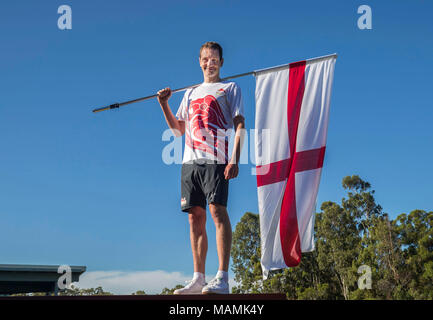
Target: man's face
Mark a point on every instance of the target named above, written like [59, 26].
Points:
[210, 63]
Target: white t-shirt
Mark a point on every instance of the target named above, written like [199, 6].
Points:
[208, 111]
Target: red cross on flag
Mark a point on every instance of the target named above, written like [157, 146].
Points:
[292, 103]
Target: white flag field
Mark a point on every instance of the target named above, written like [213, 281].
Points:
[292, 102]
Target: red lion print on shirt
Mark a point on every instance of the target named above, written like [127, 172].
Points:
[206, 119]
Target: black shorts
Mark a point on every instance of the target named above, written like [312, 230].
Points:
[201, 183]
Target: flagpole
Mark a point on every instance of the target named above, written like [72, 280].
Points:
[256, 72]
[287, 65]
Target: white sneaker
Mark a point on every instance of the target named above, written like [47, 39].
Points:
[216, 286]
[194, 286]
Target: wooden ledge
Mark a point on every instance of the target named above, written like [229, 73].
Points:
[209, 297]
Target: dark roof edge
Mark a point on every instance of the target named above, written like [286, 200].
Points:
[38, 268]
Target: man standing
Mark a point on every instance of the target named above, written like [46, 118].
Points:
[206, 115]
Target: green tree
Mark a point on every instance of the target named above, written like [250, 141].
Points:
[245, 254]
[356, 232]
[139, 293]
[361, 205]
[416, 233]
[344, 240]
[74, 291]
[170, 291]
[338, 245]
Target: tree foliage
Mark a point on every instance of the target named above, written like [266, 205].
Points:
[350, 236]
[246, 254]
[171, 291]
[72, 291]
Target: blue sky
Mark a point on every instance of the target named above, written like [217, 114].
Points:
[90, 189]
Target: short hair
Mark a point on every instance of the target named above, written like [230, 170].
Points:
[212, 45]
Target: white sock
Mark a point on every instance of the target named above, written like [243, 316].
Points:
[222, 274]
[200, 276]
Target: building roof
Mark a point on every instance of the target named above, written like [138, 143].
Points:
[19, 278]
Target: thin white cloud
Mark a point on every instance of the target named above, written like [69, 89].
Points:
[128, 282]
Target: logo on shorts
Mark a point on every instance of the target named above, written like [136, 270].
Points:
[182, 201]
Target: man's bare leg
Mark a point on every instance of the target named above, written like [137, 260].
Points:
[197, 222]
[223, 234]
[198, 237]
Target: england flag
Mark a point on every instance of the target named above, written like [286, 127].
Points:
[292, 103]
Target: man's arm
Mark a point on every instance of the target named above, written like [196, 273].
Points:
[232, 169]
[177, 126]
